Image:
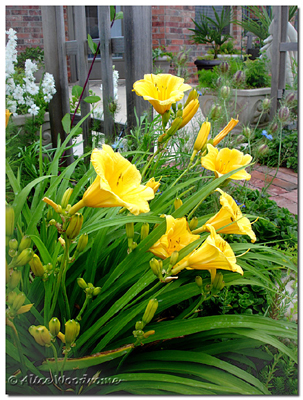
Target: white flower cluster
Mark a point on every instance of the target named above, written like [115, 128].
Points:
[27, 93]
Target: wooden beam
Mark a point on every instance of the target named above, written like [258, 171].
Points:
[82, 64]
[106, 69]
[283, 37]
[275, 58]
[53, 26]
[289, 46]
[138, 57]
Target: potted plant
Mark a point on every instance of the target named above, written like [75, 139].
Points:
[161, 60]
[243, 87]
[210, 31]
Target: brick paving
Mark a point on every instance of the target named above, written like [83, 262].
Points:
[283, 188]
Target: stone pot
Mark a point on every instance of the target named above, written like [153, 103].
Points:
[163, 64]
[248, 106]
[207, 64]
[19, 120]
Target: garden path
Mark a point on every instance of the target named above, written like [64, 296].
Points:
[284, 186]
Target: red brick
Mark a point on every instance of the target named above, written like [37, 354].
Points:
[293, 195]
[292, 207]
[276, 181]
[276, 190]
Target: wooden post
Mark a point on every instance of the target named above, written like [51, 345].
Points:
[106, 69]
[283, 38]
[138, 57]
[82, 66]
[55, 64]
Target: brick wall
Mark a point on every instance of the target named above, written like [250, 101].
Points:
[170, 28]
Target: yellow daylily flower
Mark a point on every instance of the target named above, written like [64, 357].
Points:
[188, 112]
[118, 184]
[221, 135]
[153, 184]
[7, 115]
[161, 90]
[226, 160]
[176, 237]
[230, 217]
[215, 253]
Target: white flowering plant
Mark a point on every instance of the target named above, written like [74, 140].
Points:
[23, 95]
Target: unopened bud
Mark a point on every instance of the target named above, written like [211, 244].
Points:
[215, 112]
[263, 149]
[155, 267]
[246, 132]
[219, 81]
[174, 258]
[193, 223]
[130, 231]
[290, 98]
[165, 118]
[150, 311]
[9, 220]
[202, 136]
[18, 301]
[75, 225]
[239, 77]
[273, 127]
[81, 282]
[225, 92]
[11, 297]
[25, 243]
[283, 114]
[66, 197]
[36, 266]
[54, 326]
[83, 240]
[96, 291]
[13, 244]
[12, 253]
[139, 325]
[72, 329]
[14, 279]
[24, 257]
[218, 283]
[198, 281]
[193, 95]
[224, 67]
[178, 203]
[144, 230]
[266, 104]
[148, 333]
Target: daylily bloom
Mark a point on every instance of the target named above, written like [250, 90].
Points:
[118, 184]
[176, 237]
[161, 90]
[226, 160]
[229, 219]
[221, 135]
[153, 184]
[215, 253]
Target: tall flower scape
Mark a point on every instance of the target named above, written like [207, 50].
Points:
[123, 249]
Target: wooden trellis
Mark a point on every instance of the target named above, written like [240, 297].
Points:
[136, 45]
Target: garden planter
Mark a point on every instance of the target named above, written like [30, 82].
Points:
[163, 64]
[207, 64]
[19, 120]
[254, 53]
[248, 106]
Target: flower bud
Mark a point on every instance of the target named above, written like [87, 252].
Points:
[173, 258]
[72, 329]
[215, 112]
[144, 230]
[14, 279]
[130, 232]
[13, 244]
[218, 283]
[283, 114]
[246, 132]
[9, 220]
[18, 301]
[148, 333]
[202, 136]
[273, 127]
[239, 77]
[75, 225]
[83, 240]
[24, 257]
[34, 331]
[81, 282]
[193, 95]
[12, 253]
[189, 111]
[112, 106]
[96, 291]
[139, 325]
[36, 266]
[155, 267]
[25, 243]
[54, 326]
[224, 67]
[66, 197]
[219, 81]
[45, 335]
[266, 104]
[165, 118]
[193, 223]
[150, 311]
[11, 297]
[225, 92]
[290, 98]
[178, 203]
[198, 281]
[263, 149]
[7, 115]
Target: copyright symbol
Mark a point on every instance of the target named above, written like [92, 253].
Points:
[13, 380]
